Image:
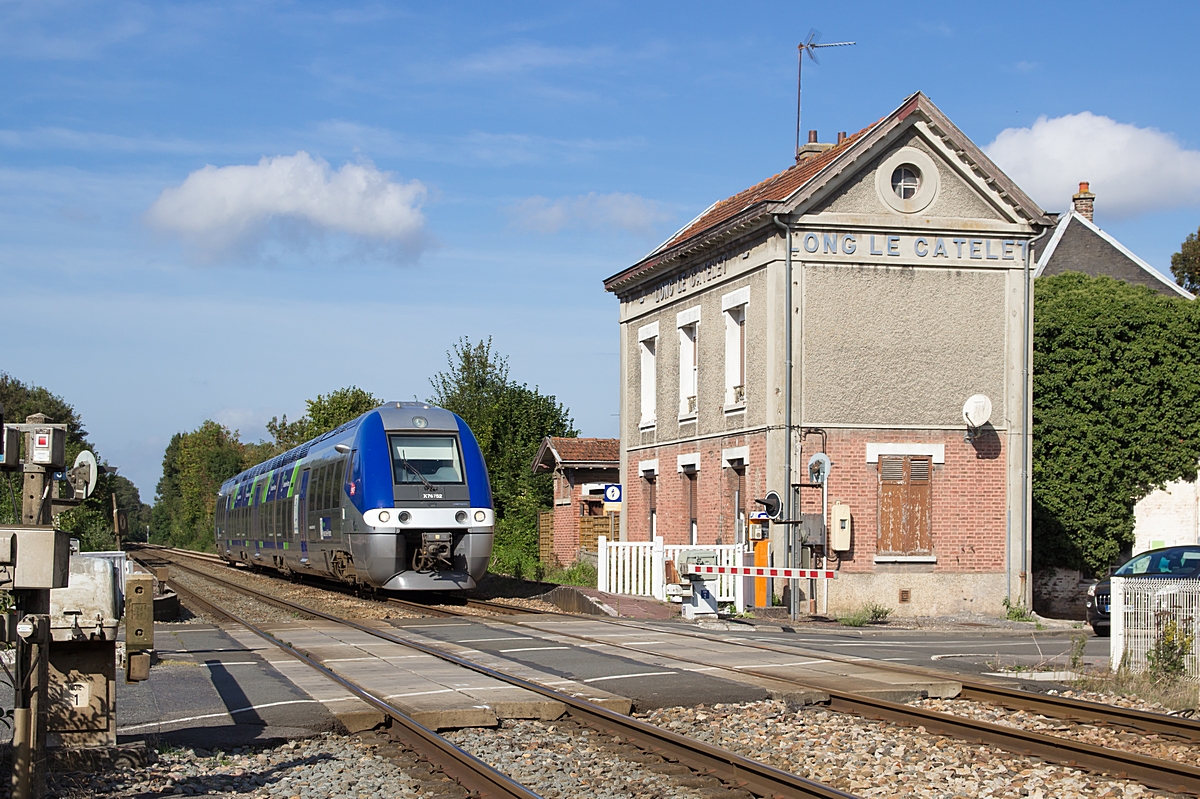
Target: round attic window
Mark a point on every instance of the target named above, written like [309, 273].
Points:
[906, 179]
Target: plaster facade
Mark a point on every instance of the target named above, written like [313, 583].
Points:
[904, 302]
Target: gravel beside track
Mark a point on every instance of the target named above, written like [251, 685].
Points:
[256, 612]
[1126, 740]
[562, 760]
[877, 759]
[318, 768]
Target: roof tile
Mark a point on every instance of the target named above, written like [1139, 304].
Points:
[592, 450]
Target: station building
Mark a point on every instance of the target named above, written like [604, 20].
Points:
[907, 254]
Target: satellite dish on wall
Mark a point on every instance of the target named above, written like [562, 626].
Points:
[977, 410]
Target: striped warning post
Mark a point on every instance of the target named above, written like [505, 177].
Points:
[762, 571]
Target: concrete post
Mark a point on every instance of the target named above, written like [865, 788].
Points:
[602, 563]
[658, 570]
[1116, 630]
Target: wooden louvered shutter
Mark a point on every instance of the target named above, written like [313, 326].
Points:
[891, 504]
[905, 505]
[919, 507]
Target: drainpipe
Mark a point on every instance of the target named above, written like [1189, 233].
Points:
[1027, 425]
[787, 412]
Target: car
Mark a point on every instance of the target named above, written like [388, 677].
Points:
[1178, 563]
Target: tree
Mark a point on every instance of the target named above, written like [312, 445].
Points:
[194, 467]
[509, 420]
[92, 521]
[1116, 411]
[324, 414]
[196, 463]
[1185, 264]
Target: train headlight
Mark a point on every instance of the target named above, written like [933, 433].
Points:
[405, 517]
[461, 517]
[480, 515]
[384, 516]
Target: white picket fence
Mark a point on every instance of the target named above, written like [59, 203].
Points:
[639, 568]
[1140, 608]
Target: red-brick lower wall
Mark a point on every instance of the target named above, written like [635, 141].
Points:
[716, 517]
[969, 494]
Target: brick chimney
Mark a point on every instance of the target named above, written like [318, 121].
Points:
[812, 148]
[1084, 201]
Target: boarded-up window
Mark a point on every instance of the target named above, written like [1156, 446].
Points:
[905, 505]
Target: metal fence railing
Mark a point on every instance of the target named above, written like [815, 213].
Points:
[1142, 610]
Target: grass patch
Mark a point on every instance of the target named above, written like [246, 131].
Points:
[870, 613]
[1016, 612]
[1172, 694]
[523, 566]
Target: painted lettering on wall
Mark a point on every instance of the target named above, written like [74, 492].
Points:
[689, 279]
[926, 248]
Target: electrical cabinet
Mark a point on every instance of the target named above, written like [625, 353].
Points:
[840, 527]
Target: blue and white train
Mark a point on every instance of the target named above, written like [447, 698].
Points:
[397, 499]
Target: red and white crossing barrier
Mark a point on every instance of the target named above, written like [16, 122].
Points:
[762, 571]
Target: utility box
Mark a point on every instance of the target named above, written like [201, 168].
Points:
[840, 526]
[10, 447]
[43, 557]
[702, 602]
[47, 446]
[139, 625]
[84, 620]
[812, 529]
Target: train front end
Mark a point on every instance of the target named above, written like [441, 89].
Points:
[421, 486]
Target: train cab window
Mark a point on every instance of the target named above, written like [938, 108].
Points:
[426, 459]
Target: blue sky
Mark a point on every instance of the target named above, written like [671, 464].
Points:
[218, 210]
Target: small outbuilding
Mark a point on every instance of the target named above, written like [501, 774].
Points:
[581, 468]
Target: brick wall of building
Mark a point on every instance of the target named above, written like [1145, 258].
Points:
[968, 496]
[715, 486]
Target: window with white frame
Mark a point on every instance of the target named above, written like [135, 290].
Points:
[688, 323]
[733, 306]
[647, 345]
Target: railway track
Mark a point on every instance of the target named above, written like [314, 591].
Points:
[732, 769]
[438, 610]
[468, 771]
[1153, 772]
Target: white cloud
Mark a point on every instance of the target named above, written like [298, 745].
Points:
[627, 212]
[218, 209]
[1132, 170]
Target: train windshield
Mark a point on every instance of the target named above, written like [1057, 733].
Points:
[426, 459]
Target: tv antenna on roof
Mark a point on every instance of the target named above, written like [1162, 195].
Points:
[810, 46]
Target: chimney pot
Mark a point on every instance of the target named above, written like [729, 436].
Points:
[812, 137]
[1084, 201]
[841, 136]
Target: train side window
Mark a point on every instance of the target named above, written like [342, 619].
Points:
[323, 495]
[338, 473]
[314, 493]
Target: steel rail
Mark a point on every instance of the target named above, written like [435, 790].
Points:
[459, 765]
[731, 768]
[1076, 710]
[434, 610]
[1153, 772]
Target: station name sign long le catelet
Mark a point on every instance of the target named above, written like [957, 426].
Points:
[869, 248]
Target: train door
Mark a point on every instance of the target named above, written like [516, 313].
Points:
[300, 518]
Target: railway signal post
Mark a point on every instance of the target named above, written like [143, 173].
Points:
[34, 558]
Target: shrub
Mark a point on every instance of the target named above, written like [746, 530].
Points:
[1168, 657]
[1016, 612]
